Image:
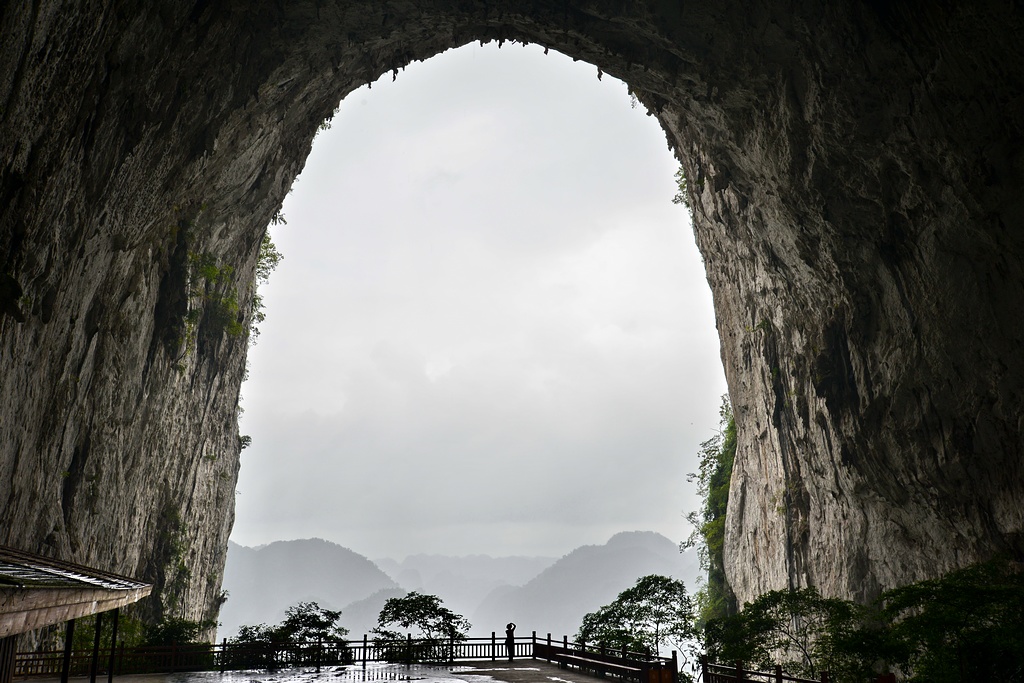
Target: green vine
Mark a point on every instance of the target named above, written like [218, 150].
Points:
[715, 599]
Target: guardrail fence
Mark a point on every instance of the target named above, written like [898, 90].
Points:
[721, 673]
[227, 656]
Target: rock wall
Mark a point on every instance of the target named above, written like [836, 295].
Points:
[858, 207]
[855, 174]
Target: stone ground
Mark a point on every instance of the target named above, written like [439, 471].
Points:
[519, 671]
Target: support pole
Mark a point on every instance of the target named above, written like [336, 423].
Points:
[96, 648]
[69, 643]
[113, 645]
[8, 655]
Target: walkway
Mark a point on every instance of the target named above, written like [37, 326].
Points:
[519, 671]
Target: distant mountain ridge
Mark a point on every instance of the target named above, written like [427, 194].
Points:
[463, 582]
[538, 593]
[262, 583]
[588, 577]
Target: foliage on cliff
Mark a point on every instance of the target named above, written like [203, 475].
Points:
[132, 631]
[799, 629]
[715, 599]
[965, 626]
[267, 261]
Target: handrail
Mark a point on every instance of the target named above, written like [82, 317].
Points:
[722, 673]
[225, 656]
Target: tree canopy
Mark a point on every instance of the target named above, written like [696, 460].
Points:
[654, 614]
[422, 613]
[965, 626]
[308, 629]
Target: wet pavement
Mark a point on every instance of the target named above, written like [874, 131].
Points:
[518, 671]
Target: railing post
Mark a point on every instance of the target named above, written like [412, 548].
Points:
[364, 651]
[778, 673]
[96, 648]
[549, 648]
[223, 655]
[113, 645]
[69, 638]
[739, 671]
[120, 658]
[408, 650]
[534, 646]
[494, 647]
[824, 677]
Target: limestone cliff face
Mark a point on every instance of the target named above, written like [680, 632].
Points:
[859, 208]
[855, 175]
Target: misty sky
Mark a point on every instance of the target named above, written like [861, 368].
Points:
[491, 332]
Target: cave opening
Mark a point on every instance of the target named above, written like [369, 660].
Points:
[485, 280]
[855, 173]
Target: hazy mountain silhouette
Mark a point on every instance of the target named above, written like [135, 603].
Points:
[538, 593]
[361, 616]
[262, 583]
[463, 582]
[588, 577]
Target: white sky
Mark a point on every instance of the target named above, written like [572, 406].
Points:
[491, 332]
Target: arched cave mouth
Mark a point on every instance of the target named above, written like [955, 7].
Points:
[488, 308]
[855, 172]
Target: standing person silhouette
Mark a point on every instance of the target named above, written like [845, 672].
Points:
[510, 639]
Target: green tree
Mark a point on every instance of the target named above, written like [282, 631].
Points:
[423, 616]
[800, 630]
[171, 631]
[682, 196]
[131, 631]
[655, 614]
[308, 622]
[608, 625]
[309, 633]
[267, 261]
[966, 626]
[715, 599]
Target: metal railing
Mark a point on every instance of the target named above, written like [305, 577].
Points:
[722, 673]
[227, 656]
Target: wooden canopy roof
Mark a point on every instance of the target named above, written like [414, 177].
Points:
[38, 591]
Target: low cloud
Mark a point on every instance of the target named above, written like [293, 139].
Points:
[475, 347]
